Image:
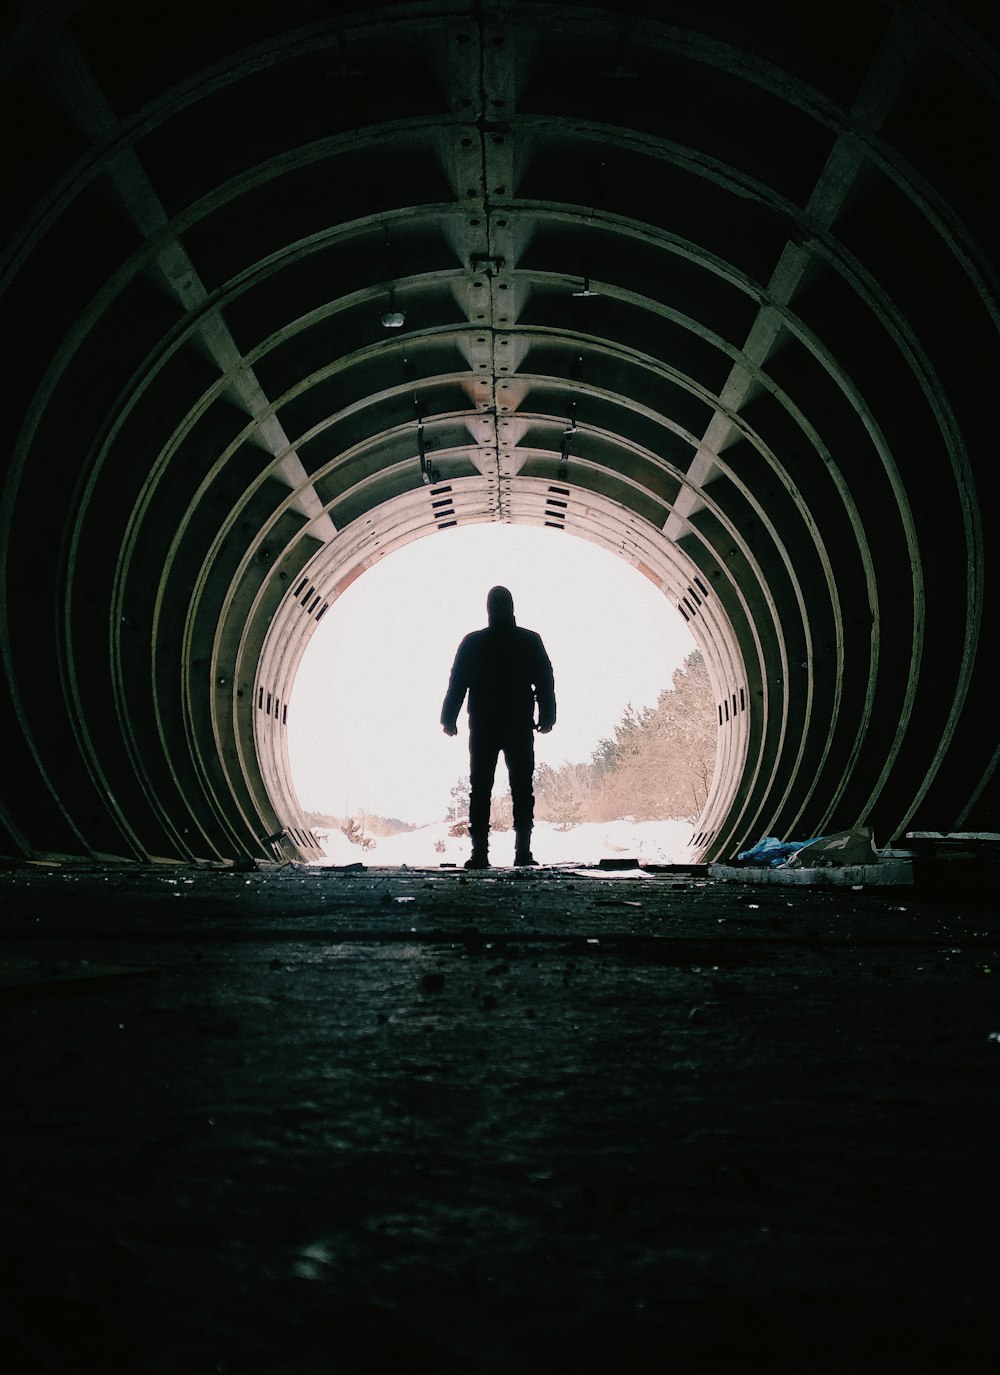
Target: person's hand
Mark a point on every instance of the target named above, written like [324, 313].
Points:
[544, 730]
[449, 730]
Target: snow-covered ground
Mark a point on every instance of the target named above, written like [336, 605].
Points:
[652, 842]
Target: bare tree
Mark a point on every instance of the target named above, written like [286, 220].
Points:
[458, 807]
[563, 795]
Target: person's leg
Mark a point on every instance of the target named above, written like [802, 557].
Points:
[484, 748]
[519, 753]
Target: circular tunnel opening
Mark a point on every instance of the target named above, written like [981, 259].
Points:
[622, 771]
[353, 669]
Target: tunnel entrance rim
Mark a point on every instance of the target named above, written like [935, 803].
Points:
[402, 520]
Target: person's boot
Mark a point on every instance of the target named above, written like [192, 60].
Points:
[523, 858]
[479, 859]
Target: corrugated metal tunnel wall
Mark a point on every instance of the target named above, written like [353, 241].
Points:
[715, 286]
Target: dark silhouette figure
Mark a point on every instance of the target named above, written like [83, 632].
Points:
[504, 669]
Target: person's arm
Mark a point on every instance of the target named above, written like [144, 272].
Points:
[458, 685]
[545, 690]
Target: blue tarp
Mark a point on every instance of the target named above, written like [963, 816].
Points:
[772, 853]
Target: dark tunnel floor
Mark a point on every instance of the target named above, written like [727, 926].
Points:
[305, 1122]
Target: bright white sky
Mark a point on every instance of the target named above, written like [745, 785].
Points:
[363, 718]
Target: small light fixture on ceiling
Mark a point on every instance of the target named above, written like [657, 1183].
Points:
[586, 289]
[393, 318]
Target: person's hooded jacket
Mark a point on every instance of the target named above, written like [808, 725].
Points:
[505, 670]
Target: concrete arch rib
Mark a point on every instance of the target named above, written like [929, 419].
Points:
[403, 519]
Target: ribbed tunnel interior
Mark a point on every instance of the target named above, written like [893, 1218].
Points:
[287, 286]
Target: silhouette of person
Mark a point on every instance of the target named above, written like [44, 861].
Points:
[504, 669]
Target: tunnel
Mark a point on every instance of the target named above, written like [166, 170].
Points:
[288, 286]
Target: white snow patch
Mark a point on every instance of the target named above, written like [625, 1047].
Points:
[650, 842]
